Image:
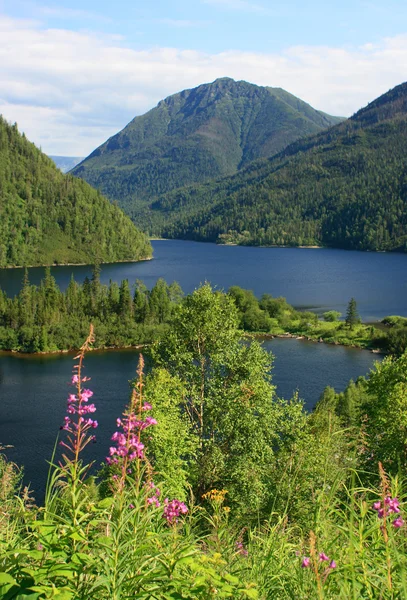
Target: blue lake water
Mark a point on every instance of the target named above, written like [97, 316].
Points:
[33, 389]
[33, 392]
[319, 279]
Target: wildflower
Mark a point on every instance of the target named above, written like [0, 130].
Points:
[306, 561]
[393, 504]
[323, 556]
[78, 427]
[241, 549]
[398, 522]
[128, 443]
[390, 505]
[332, 564]
[173, 509]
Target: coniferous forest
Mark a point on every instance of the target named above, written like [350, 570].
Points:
[50, 218]
[344, 187]
[45, 319]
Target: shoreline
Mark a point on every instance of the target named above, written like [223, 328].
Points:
[254, 335]
[305, 338]
[84, 264]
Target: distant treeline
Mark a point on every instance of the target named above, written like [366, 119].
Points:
[45, 319]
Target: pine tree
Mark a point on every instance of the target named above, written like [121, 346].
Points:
[352, 316]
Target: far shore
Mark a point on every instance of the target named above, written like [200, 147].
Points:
[85, 264]
[246, 334]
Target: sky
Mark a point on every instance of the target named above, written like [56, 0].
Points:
[74, 73]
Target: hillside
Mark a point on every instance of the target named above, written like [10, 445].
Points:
[346, 187]
[196, 135]
[66, 163]
[47, 217]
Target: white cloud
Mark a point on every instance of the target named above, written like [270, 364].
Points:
[69, 91]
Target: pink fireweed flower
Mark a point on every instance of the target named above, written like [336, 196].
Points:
[173, 509]
[332, 564]
[323, 556]
[86, 394]
[390, 505]
[147, 406]
[306, 561]
[241, 549]
[398, 522]
[154, 499]
[393, 504]
[77, 427]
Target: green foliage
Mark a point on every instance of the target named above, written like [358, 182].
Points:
[332, 316]
[47, 217]
[80, 545]
[386, 411]
[173, 444]
[352, 316]
[289, 485]
[194, 136]
[228, 400]
[44, 319]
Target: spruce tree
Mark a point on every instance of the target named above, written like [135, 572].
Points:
[352, 316]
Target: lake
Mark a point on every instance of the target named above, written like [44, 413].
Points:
[33, 392]
[33, 389]
[317, 279]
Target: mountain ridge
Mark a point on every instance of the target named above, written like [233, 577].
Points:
[343, 187]
[192, 136]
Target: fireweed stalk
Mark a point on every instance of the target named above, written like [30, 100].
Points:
[77, 423]
[129, 449]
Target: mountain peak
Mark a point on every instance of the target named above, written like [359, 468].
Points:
[197, 134]
[387, 106]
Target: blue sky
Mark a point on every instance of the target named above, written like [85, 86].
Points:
[73, 73]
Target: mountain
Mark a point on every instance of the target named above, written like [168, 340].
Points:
[345, 187]
[47, 217]
[66, 163]
[196, 135]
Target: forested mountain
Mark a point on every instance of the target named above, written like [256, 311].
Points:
[344, 187]
[47, 217]
[66, 163]
[199, 134]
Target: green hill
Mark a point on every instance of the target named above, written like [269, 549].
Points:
[345, 187]
[196, 135]
[47, 217]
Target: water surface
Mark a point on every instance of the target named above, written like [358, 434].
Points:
[33, 391]
[319, 279]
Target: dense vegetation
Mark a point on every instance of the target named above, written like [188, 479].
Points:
[47, 217]
[345, 187]
[196, 135]
[216, 488]
[45, 319]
